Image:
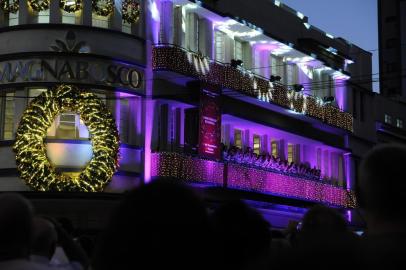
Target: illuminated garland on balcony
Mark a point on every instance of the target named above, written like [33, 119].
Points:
[39, 5]
[9, 8]
[131, 11]
[70, 6]
[193, 169]
[31, 158]
[190, 64]
[103, 9]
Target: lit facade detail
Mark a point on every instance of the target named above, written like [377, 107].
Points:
[206, 98]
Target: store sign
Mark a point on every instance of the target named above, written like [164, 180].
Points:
[72, 70]
[210, 122]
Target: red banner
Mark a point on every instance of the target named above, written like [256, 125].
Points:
[210, 122]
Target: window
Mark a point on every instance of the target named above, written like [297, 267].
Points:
[124, 119]
[238, 138]
[399, 123]
[13, 18]
[127, 28]
[340, 170]
[290, 152]
[319, 159]
[192, 32]
[43, 16]
[388, 119]
[71, 17]
[257, 144]
[238, 52]
[219, 46]
[100, 21]
[276, 66]
[8, 128]
[274, 148]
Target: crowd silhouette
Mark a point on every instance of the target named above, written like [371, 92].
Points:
[166, 225]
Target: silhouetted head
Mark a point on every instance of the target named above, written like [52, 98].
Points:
[243, 235]
[15, 226]
[381, 189]
[323, 219]
[44, 238]
[161, 224]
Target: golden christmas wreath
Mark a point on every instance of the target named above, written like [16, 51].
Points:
[131, 11]
[39, 5]
[8, 7]
[31, 158]
[70, 6]
[103, 10]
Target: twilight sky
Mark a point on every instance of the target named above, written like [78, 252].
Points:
[354, 20]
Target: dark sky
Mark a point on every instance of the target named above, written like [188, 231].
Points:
[354, 20]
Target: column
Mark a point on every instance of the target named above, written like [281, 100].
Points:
[26, 16]
[87, 12]
[55, 13]
[116, 17]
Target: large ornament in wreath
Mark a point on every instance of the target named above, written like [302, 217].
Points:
[39, 5]
[131, 11]
[103, 7]
[9, 6]
[31, 158]
[70, 6]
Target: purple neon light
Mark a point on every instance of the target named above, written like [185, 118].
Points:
[192, 169]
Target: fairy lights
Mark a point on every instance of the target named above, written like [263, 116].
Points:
[193, 169]
[32, 162]
[167, 57]
[9, 6]
[103, 8]
[70, 5]
[39, 5]
[131, 11]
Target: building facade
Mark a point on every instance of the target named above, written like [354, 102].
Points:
[213, 93]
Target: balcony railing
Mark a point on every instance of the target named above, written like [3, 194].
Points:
[176, 59]
[238, 176]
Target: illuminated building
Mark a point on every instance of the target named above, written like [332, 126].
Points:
[181, 77]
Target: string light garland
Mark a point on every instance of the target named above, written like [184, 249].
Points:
[194, 169]
[169, 57]
[70, 6]
[8, 7]
[103, 7]
[39, 5]
[131, 11]
[31, 159]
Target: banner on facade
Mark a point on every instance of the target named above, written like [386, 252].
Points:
[210, 122]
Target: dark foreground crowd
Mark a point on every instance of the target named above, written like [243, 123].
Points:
[164, 225]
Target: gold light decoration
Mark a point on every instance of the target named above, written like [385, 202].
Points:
[167, 57]
[103, 7]
[8, 7]
[39, 5]
[70, 5]
[32, 162]
[131, 11]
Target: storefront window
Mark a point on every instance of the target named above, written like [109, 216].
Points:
[274, 148]
[126, 27]
[238, 138]
[13, 19]
[100, 21]
[290, 152]
[8, 127]
[71, 17]
[43, 16]
[220, 46]
[257, 144]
